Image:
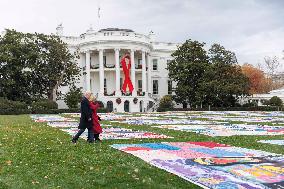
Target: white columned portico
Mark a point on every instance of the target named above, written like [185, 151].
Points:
[101, 71]
[149, 60]
[117, 73]
[88, 73]
[143, 72]
[134, 93]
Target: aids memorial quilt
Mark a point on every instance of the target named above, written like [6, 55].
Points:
[276, 142]
[227, 130]
[213, 165]
[119, 133]
[49, 118]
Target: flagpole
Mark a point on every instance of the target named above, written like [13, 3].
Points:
[99, 14]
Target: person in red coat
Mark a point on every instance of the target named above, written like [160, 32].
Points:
[96, 124]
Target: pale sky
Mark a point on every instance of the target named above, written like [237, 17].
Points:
[251, 28]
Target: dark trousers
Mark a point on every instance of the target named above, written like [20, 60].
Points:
[90, 134]
[97, 136]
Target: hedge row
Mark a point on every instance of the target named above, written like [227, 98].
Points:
[51, 111]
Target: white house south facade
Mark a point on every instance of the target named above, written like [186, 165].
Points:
[101, 70]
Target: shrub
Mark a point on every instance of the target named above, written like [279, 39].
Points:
[166, 104]
[250, 104]
[43, 104]
[73, 97]
[275, 101]
[12, 105]
[14, 111]
[266, 102]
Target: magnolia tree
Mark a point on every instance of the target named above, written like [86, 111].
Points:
[34, 66]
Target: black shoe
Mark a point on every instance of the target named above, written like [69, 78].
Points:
[98, 140]
[74, 141]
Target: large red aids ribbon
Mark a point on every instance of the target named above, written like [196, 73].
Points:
[126, 69]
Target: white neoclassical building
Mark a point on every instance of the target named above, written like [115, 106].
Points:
[102, 74]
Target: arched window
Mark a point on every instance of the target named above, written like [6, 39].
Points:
[109, 106]
[126, 106]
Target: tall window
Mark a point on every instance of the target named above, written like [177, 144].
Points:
[155, 87]
[139, 61]
[120, 83]
[105, 85]
[139, 85]
[105, 60]
[170, 87]
[155, 64]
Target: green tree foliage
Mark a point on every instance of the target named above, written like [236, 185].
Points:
[166, 103]
[187, 70]
[224, 81]
[73, 97]
[212, 78]
[16, 53]
[34, 66]
[275, 101]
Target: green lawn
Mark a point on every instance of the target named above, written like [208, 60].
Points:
[33, 155]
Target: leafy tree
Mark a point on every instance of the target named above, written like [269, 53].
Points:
[187, 69]
[56, 66]
[275, 101]
[16, 53]
[34, 66]
[212, 78]
[73, 97]
[258, 82]
[224, 80]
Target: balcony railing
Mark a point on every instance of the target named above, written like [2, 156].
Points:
[126, 93]
[139, 67]
[94, 66]
[140, 93]
[109, 66]
[112, 94]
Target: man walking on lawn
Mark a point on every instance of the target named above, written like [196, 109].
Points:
[86, 119]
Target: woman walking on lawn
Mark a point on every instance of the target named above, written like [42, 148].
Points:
[96, 124]
[85, 119]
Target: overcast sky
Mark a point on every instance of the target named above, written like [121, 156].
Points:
[251, 28]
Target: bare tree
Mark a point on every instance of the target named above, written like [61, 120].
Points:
[259, 66]
[272, 64]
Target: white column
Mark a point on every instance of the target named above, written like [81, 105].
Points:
[88, 73]
[117, 73]
[101, 71]
[83, 76]
[134, 92]
[149, 60]
[143, 72]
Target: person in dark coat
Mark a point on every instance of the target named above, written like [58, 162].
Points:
[85, 119]
[96, 124]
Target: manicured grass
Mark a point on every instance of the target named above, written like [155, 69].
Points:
[33, 155]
